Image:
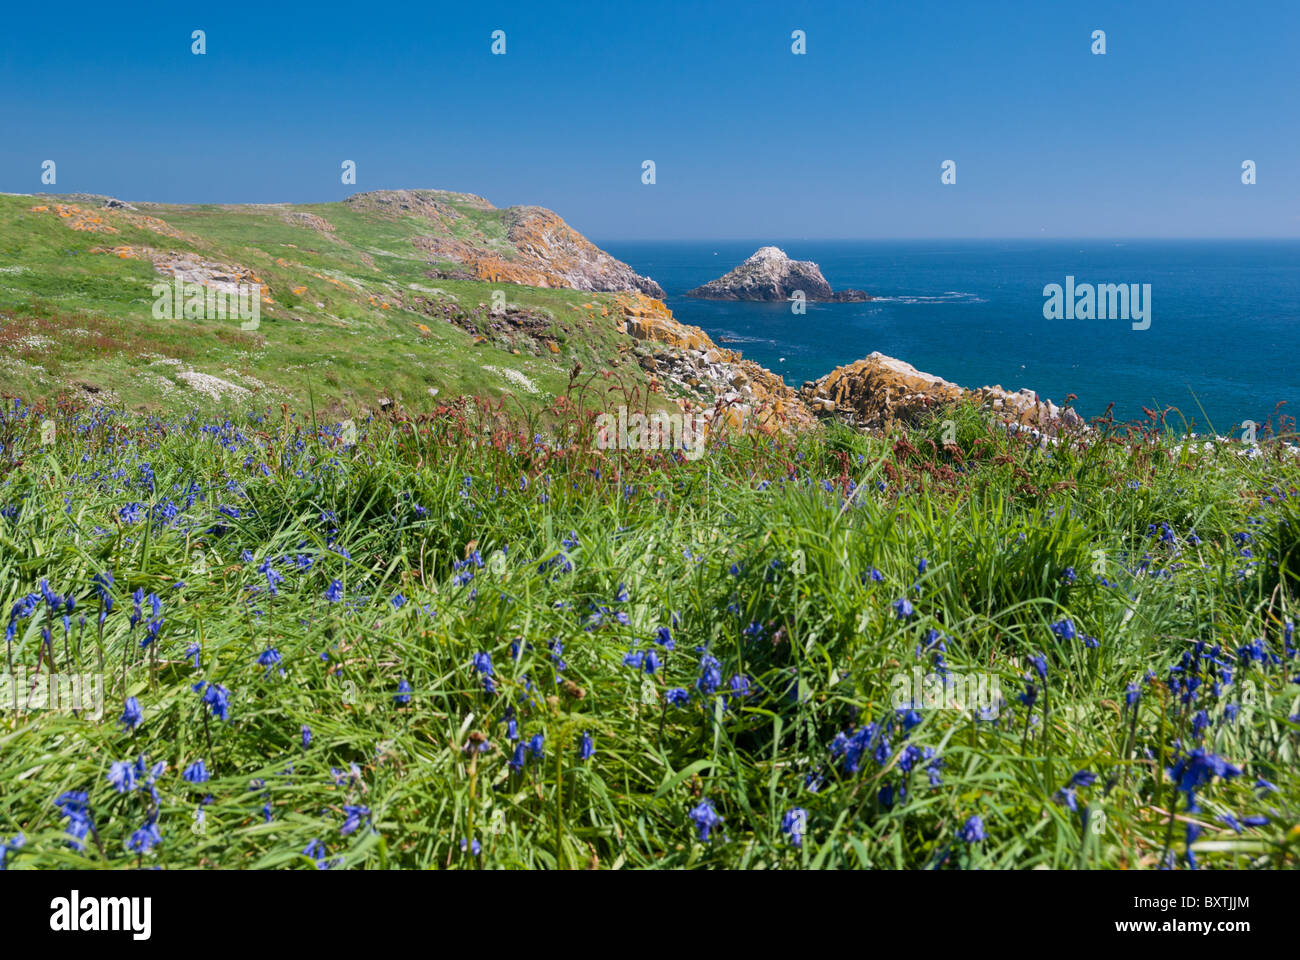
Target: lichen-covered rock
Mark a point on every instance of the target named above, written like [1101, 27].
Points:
[1026, 408]
[771, 275]
[717, 383]
[878, 390]
[539, 248]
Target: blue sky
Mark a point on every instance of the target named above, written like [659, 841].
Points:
[749, 140]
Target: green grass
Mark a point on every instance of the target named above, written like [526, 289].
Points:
[760, 554]
[79, 323]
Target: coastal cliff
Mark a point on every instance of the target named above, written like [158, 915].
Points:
[874, 393]
[771, 275]
[539, 248]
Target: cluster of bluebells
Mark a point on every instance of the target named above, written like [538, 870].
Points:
[1199, 680]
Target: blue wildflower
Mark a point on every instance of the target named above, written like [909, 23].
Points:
[706, 818]
[132, 715]
[794, 824]
[972, 831]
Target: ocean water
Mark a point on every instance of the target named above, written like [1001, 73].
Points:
[1222, 346]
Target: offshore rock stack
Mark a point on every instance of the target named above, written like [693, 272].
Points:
[770, 275]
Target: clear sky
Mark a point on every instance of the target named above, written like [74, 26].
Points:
[749, 140]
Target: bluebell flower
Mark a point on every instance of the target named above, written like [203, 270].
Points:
[75, 805]
[586, 749]
[354, 814]
[1199, 767]
[483, 664]
[794, 824]
[269, 658]
[1039, 663]
[972, 831]
[216, 698]
[146, 838]
[316, 851]
[196, 772]
[121, 775]
[273, 577]
[403, 694]
[706, 818]
[710, 675]
[334, 593]
[1231, 821]
[132, 715]
[903, 608]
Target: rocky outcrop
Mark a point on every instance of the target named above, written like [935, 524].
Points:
[877, 391]
[1026, 408]
[436, 206]
[683, 361]
[770, 275]
[222, 277]
[539, 248]
[565, 258]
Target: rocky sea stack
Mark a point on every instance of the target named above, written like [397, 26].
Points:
[770, 275]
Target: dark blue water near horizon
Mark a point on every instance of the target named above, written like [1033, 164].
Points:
[1222, 345]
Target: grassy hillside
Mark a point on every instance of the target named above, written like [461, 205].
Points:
[359, 306]
[454, 644]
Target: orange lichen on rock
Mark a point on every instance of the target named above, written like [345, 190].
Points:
[547, 252]
[92, 221]
[746, 395]
[646, 318]
[878, 390]
[86, 221]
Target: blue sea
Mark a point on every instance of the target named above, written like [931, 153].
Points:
[1221, 348]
